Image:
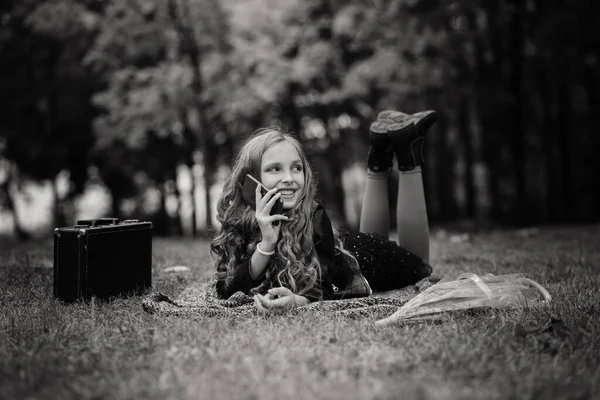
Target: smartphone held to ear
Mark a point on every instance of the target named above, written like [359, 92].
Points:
[249, 194]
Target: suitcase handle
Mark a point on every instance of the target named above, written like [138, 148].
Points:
[98, 221]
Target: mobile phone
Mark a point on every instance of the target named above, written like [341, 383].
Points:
[249, 194]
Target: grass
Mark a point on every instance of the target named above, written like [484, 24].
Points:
[49, 350]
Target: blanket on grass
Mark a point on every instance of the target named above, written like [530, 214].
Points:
[201, 301]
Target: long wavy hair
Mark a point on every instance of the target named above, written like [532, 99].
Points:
[295, 264]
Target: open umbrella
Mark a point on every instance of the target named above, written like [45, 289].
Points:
[469, 291]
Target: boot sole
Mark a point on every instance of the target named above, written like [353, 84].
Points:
[396, 116]
[394, 129]
[423, 120]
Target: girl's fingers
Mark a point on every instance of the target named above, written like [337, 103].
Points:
[269, 296]
[264, 302]
[282, 302]
[257, 195]
[280, 291]
[277, 217]
[277, 303]
[271, 202]
[258, 305]
[263, 200]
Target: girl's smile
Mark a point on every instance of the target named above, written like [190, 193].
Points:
[281, 167]
[288, 197]
[286, 192]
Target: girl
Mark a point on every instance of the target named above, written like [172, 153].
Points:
[291, 259]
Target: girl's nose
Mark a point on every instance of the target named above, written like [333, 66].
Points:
[287, 178]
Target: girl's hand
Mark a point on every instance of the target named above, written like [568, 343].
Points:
[278, 299]
[264, 204]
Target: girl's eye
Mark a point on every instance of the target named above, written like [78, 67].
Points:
[297, 167]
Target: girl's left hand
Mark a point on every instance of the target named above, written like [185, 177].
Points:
[278, 299]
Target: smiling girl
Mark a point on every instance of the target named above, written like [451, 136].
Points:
[291, 259]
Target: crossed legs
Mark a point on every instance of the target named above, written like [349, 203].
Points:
[411, 212]
[406, 136]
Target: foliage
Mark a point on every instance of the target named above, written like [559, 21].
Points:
[515, 85]
[165, 66]
[45, 110]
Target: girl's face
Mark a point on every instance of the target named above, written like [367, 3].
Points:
[281, 167]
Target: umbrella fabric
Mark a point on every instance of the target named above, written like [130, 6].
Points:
[469, 291]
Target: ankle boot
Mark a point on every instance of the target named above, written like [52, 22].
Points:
[410, 155]
[407, 133]
[381, 152]
[381, 155]
[424, 120]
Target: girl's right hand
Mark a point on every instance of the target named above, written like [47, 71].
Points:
[264, 204]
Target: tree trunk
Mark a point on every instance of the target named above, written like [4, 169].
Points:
[161, 218]
[288, 109]
[20, 233]
[548, 202]
[206, 143]
[115, 209]
[564, 150]
[58, 216]
[466, 135]
[517, 132]
[176, 221]
[190, 147]
[191, 48]
[490, 74]
[190, 166]
[591, 82]
[208, 182]
[333, 167]
[444, 172]
[591, 87]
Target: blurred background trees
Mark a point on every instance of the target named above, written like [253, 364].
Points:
[150, 99]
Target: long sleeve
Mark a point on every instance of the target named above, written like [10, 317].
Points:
[323, 234]
[335, 271]
[241, 282]
[314, 294]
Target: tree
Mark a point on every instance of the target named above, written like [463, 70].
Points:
[522, 74]
[196, 46]
[44, 92]
[166, 66]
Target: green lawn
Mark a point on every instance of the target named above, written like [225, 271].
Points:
[49, 350]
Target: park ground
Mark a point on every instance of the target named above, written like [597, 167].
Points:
[49, 350]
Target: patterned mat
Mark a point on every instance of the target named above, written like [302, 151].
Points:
[201, 301]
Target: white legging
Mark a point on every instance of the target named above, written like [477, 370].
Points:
[411, 217]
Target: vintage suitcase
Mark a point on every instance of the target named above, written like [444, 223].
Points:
[103, 258]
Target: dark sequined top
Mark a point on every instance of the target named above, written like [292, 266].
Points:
[383, 263]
